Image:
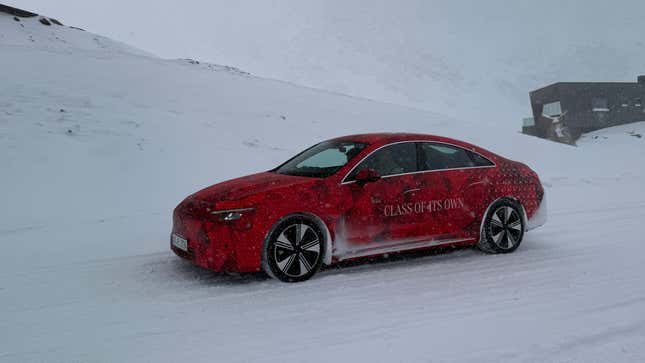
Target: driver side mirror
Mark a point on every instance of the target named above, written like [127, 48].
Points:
[367, 176]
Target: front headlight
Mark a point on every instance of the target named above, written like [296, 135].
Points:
[231, 214]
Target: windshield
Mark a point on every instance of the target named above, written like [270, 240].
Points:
[321, 160]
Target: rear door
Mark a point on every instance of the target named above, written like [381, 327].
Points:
[380, 211]
[453, 189]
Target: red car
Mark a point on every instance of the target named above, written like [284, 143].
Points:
[357, 196]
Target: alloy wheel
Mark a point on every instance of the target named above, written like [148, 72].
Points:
[506, 227]
[297, 250]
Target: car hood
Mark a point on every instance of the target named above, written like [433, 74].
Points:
[249, 186]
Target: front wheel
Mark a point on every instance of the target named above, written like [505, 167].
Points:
[503, 227]
[294, 250]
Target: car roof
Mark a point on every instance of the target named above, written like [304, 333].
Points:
[383, 138]
[387, 138]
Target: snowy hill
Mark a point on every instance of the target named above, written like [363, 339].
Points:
[43, 33]
[99, 143]
[474, 60]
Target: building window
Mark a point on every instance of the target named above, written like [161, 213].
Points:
[552, 109]
[599, 104]
[637, 102]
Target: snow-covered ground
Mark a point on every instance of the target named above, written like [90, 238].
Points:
[98, 144]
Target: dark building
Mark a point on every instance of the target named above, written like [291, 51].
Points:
[565, 110]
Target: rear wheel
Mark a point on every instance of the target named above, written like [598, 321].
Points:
[503, 227]
[294, 250]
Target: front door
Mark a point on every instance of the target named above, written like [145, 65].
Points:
[380, 211]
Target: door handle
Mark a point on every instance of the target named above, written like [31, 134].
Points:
[411, 190]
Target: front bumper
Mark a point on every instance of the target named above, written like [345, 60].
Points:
[216, 244]
[208, 245]
[538, 218]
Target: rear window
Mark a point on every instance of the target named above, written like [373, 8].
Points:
[479, 160]
[437, 156]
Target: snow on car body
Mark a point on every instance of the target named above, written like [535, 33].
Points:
[357, 196]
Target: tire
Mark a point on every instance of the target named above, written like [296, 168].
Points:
[294, 249]
[503, 227]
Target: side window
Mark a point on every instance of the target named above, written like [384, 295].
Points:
[442, 156]
[390, 160]
[479, 160]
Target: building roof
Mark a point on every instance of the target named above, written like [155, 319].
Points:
[589, 84]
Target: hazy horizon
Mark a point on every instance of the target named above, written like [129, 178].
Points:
[435, 55]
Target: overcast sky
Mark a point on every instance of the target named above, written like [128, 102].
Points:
[237, 31]
[411, 52]
[224, 27]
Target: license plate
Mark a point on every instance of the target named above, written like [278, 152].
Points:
[180, 242]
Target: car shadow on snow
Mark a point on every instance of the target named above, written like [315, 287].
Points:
[187, 270]
[168, 270]
[184, 271]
